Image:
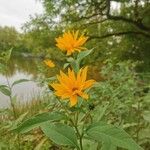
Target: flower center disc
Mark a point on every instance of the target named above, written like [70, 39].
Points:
[74, 89]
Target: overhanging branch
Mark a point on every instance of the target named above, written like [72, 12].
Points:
[138, 23]
[118, 34]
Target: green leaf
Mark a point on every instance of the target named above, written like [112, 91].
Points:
[18, 120]
[106, 133]
[108, 146]
[83, 54]
[74, 64]
[5, 90]
[61, 134]
[70, 59]
[66, 65]
[20, 81]
[37, 120]
[146, 116]
[50, 79]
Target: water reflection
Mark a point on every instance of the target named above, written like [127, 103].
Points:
[20, 67]
[25, 65]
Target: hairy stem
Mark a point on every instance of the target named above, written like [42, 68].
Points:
[11, 100]
[74, 123]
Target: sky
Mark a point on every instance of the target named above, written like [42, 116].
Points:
[16, 12]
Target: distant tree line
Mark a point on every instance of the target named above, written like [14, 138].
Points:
[11, 38]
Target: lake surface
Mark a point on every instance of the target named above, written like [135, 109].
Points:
[21, 68]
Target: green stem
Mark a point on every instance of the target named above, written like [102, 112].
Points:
[10, 98]
[138, 121]
[80, 135]
[13, 107]
[74, 124]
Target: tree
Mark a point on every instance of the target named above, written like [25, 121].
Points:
[119, 28]
[8, 37]
[132, 12]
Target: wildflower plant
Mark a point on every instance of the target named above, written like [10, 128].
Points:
[7, 90]
[49, 63]
[70, 125]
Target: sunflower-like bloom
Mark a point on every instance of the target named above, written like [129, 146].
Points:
[71, 42]
[71, 86]
[49, 63]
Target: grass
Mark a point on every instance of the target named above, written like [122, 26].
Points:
[8, 139]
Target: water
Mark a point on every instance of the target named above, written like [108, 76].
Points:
[21, 68]
[26, 68]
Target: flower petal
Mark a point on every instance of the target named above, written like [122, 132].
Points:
[88, 84]
[71, 42]
[83, 95]
[84, 74]
[49, 63]
[73, 100]
[71, 75]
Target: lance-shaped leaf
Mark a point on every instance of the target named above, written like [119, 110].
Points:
[83, 54]
[112, 135]
[60, 134]
[37, 120]
[5, 90]
[20, 81]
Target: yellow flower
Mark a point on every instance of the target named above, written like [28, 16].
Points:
[49, 63]
[71, 42]
[71, 86]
